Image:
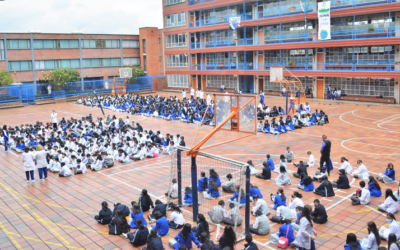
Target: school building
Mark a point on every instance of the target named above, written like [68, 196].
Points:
[96, 56]
[361, 58]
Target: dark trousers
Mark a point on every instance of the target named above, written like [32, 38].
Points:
[5, 144]
[295, 174]
[227, 190]
[42, 171]
[55, 125]
[31, 173]
[261, 176]
[173, 225]
[355, 200]
[325, 159]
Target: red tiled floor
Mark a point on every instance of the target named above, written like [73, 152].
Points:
[370, 133]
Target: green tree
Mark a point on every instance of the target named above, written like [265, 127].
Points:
[136, 72]
[5, 78]
[58, 78]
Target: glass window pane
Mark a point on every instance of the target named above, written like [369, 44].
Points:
[49, 64]
[92, 43]
[64, 44]
[26, 65]
[115, 62]
[15, 66]
[86, 43]
[65, 64]
[106, 62]
[95, 62]
[23, 44]
[74, 44]
[115, 44]
[48, 44]
[38, 44]
[12, 44]
[86, 63]
[125, 44]
[108, 44]
[75, 63]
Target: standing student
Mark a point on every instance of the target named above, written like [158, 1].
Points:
[29, 164]
[54, 119]
[261, 225]
[6, 137]
[374, 240]
[325, 153]
[41, 162]
[266, 172]
[352, 243]
[185, 237]
[176, 220]
[230, 185]
[389, 176]
[394, 228]
[390, 205]
[319, 214]
[105, 214]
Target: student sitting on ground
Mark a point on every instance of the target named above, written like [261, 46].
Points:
[342, 182]
[282, 162]
[136, 214]
[278, 199]
[260, 204]
[346, 166]
[145, 201]
[202, 183]
[319, 176]
[254, 190]
[289, 155]
[300, 170]
[217, 215]
[306, 183]
[374, 187]
[282, 213]
[202, 226]
[361, 172]
[80, 168]
[352, 242]
[394, 228]
[118, 224]
[250, 244]
[173, 193]
[261, 225]
[214, 176]
[283, 177]
[232, 215]
[188, 199]
[295, 224]
[319, 214]
[266, 172]
[325, 189]
[139, 237]
[161, 207]
[389, 176]
[212, 192]
[230, 185]
[390, 205]
[124, 208]
[185, 237]
[105, 214]
[285, 231]
[65, 171]
[161, 226]
[176, 220]
[270, 163]
[361, 197]
[234, 199]
[154, 241]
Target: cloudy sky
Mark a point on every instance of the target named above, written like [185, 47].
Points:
[88, 16]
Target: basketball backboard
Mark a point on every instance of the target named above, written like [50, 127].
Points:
[276, 74]
[125, 72]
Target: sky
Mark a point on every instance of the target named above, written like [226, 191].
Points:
[88, 16]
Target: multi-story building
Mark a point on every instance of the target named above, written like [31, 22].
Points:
[202, 51]
[96, 56]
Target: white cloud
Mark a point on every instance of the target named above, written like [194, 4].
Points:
[88, 16]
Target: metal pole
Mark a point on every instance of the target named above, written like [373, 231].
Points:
[179, 169]
[286, 101]
[247, 212]
[194, 189]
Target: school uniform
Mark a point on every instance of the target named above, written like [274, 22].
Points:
[286, 231]
[176, 220]
[342, 182]
[134, 217]
[161, 226]
[139, 237]
[319, 214]
[65, 171]
[266, 173]
[325, 190]
[104, 217]
[374, 190]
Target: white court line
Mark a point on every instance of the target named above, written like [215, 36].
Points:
[384, 119]
[362, 116]
[142, 167]
[390, 120]
[363, 126]
[370, 143]
[10, 151]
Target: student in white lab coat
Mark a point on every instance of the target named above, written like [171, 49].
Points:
[394, 228]
[80, 168]
[29, 164]
[390, 205]
[311, 160]
[55, 166]
[183, 94]
[65, 171]
[346, 165]
[361, 172]
[295, 201]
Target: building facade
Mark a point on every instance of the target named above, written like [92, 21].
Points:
[96, 56]
[202, 51]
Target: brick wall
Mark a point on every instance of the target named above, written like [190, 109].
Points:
[48, 54]
[151, 35]
[19, 54]
[101, 53]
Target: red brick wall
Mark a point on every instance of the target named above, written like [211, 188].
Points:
[151, 35]
[130, 37]
[19, 54]
[47, 54]
[99, 36]
[54, 36]
[101, 72]
[18, 36]
[101, 53]
[131, 52]
[22, 76]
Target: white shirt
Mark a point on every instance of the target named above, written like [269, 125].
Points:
[362, 169]
[177, 218]
[191, 91]
[311, 161]
[66, 171]
[54, 117]
[174, 191]
[28, 160]
[365, 196]
[297, 202]
[391, 206]
[371, 242]
[394, 228]
[346, 167]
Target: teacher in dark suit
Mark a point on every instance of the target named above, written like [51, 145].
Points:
[325, 153]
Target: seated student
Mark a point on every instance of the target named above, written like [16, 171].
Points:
[161, 207]
[394, 228]
[202, 183]
[270, 163]
[65, 171]
[319, 176]
[260, 126]
[173, 193]
[235, 197]
[230, 185]
[300, 170]
[278, 199]
[144, 201]
[325, 189]
[390, 205]
[374, 188]
[282, 162]
[342, 182]
[389, 176]
[185, 237]
[282, 213]
[283, 177]
[306, 183]
[286, 231]
[232, 215]
[161, 226]
[319, 214]
[289, 156]
[261, 225]
[295, 201]
[253, 169]
[80, 168]
[154, 241]
[139, 237]
[212, 191]
[105, 214]
[176, 220]
[346, 166]
[217, 215]
[55, 166]
[397, 194]
[361, 172]
[352, 243]
[124, 208]
[187, 199]
[266, 172]
[295, 224]
[98, 165]
[260, 204]
[136, 214]
[373, 241]
[206, 243]
[254, 190]
[202, 226]
[118, 224]
[250, 244]
[361, 198]
[214, 176]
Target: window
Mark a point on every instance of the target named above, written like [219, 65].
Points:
[362, 86]
[56, 44]
[144, 45]
[2, 51]
[181, 81]
[134, 61]
[229, 81]
[174, 61]
[169, 2]
[101, 62]
[100, 43]
[176, 40]
[19, 44]
[307, 82]
[19, 65]
[174, 20]
[57, 64]
[130, 43]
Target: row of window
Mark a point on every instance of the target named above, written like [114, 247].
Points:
[70, 43]
[228, 80]
[170, 2]
[176, 40]
[178, 81]
[2, 51]
[72, 63]
[175, 20]
[362, 86]
[174, 61]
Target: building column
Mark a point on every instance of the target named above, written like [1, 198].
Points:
[33, 60]
[396, 90]
[81, 61]
[5, 50]
[122, 53]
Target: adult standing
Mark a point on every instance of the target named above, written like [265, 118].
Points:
[29, 164]
[325, 153]
[54, 119]
[6, 137]
[41, 162]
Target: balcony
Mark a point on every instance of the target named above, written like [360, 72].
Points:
[194, 2]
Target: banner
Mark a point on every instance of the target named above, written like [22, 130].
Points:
[234, 22]
[324, 20]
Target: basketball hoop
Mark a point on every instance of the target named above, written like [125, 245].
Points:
[125, 72]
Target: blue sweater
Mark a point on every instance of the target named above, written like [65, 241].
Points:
[214, 193]
[373, 190]
[270, 164]
[308, 188]
[200, 184]
[255, 191]
[347, 247]
[278, 201]
[188, 198]
[137, 216]
[236, 197]
[187, 242]
[282, 232]
[390, 173]
[216, 180]
[161, 226]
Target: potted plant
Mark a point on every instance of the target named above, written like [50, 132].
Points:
[291, 63]
[397, 63]
[370, 29]
[235, 39]
[313, 32]
[338, 63]
[292, 8]
[267, 38]
[250, 13]
[337, 1]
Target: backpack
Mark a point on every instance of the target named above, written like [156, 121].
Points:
[283, 242]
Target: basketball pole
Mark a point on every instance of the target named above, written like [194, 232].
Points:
[179, 173]
[247, 215]
[287, 94]
[194, 189]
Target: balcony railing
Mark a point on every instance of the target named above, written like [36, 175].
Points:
[194, 2]
[378, 65]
